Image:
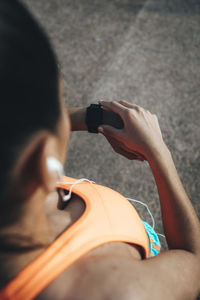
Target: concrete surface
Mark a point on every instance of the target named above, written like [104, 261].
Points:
[147, 52]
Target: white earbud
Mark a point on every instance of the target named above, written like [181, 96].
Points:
[54, 165]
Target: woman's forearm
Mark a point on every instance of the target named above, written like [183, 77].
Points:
[77, 118]
[181, 224]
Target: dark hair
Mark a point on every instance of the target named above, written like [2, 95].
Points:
[28, 84]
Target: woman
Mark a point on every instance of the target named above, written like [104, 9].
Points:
[40, 255]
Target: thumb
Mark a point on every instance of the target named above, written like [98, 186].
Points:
[108, 130]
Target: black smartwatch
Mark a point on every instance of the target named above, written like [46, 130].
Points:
[94, 117]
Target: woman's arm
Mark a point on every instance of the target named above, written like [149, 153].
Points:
[142, 133]
[179, 268]
[180, 221]
[175, 272]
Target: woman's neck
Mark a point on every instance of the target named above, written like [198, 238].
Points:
[35, 231]
[22, 241]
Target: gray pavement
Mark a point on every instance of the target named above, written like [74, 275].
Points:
[147, 52]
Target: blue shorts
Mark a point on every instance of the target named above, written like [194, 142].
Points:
[154, 243]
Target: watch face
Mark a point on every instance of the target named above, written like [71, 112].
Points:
[94, 117]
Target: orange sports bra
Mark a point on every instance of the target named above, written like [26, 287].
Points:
[108, 217]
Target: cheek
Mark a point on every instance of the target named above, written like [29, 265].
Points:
[67, 129]
[65, 132]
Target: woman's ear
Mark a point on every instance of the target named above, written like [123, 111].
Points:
[33, 170]
[55, 166]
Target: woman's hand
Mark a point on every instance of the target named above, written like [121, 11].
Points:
[141, 135]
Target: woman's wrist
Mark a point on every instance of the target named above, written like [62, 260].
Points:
[77, 118]
[158, 153]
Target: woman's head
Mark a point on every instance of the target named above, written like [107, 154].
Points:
[31, 114]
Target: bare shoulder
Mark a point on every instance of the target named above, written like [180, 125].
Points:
[94, 277]
[171, 275]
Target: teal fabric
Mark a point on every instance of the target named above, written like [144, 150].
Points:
[153, 239]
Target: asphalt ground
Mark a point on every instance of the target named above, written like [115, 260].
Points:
[146, 52]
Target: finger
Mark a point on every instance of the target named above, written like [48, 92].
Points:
[118, 147]
[115, 141]
[126, 154]
[139, 154]
[128, 104]
[114, 106]
[132, 105]
[109, 130]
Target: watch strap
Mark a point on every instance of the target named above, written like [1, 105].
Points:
[94, 117]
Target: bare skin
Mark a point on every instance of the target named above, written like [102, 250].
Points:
[115, 270]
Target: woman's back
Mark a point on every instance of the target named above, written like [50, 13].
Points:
[95, 227]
